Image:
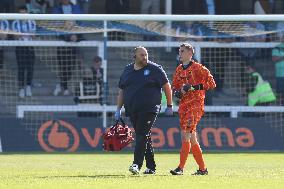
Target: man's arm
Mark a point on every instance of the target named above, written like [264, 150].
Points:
[120, 99]
[209, 82]
[117, 114]
[168, 92]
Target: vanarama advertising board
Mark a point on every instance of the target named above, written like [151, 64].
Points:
[84, 134]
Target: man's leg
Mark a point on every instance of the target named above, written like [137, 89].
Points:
[184, 152]
[142, 124]
[29, 65]
[1, 58]
[21, 68]
[149, 154]
[198, 156]
[185, 146]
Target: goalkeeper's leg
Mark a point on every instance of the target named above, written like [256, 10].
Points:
[197, 154]
[184, 151]
[185, 148]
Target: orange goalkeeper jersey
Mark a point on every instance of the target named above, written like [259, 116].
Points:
[195, 74]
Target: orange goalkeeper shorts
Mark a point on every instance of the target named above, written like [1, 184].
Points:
[189, 120]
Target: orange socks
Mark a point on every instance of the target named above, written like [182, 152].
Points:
[185, 149]
[197, 154]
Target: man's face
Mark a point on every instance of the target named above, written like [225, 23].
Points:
[185, 54]
[141, 56]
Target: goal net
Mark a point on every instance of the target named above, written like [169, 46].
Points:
[54, 66]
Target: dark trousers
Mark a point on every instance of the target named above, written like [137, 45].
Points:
[1, 58]
[66, 57]
[25, 60]
[142, 124]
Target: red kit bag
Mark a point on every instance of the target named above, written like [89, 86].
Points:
[117, 137]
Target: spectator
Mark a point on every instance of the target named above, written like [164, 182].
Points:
[86, 93]
[51, 4]
[98, 72]
[92, 87]
[37, 6]
[278, 59]
[85, 5]
[211, 10]
[150, 7]
[67, 7]
[211, 7]
[249, 55]
[263, 6]
[67, 57]
[25, 55]
[4, 27]
[258, 90]
[89, 89]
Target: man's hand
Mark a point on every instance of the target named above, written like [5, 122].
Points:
[169, 110]
[117, 114]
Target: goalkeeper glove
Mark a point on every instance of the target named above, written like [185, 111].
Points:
[187, 87]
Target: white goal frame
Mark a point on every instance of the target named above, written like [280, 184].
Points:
[21, 109]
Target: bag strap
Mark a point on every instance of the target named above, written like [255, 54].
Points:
[120, 120]
[117, 122]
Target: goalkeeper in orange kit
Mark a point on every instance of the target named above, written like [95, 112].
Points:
[190, 81]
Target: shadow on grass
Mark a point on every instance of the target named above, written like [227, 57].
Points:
[101, 176]
[85, 176]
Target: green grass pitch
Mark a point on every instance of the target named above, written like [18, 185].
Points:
[110, 170]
